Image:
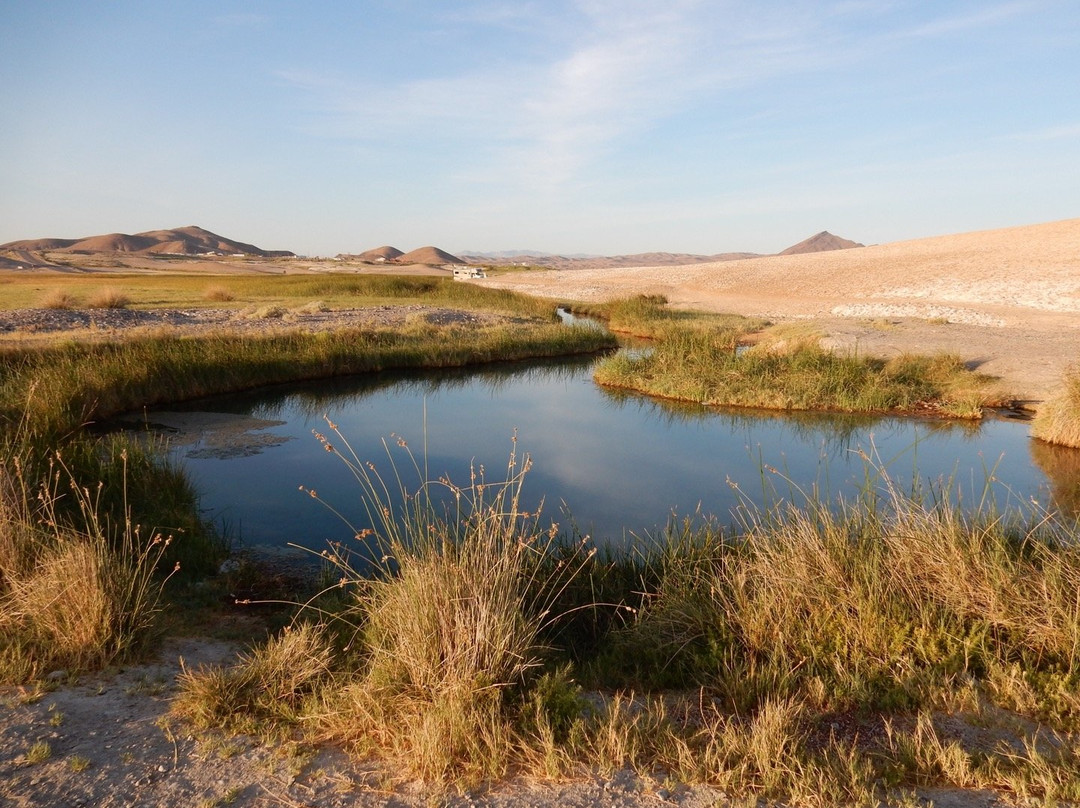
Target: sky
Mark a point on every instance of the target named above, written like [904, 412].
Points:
[565, 126]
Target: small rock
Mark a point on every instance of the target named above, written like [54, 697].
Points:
[57, 676]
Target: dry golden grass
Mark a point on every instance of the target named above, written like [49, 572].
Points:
[1058, 419]
[70, 597]
[218, 294]
[108, 298]
[59, 299]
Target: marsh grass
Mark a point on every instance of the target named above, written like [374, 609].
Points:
[75, 594]
[60, 387]
[1058, 418]
[705, 358]
[725, 656]
[451, 628]
[881, 604]
[650, 316]
[707, 367]
[25, 290]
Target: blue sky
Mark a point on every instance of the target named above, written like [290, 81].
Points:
[594, 126]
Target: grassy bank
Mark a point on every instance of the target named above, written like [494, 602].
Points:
[702, 358]
[146, 291]
[59, 387]
[816, 655]
[111, 485]
[1058, 419]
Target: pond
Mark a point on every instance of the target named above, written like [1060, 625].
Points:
[609, 464]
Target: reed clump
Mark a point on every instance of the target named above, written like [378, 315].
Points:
[108, 298]
[451, 623]
[706, 363]
[1058, 418]
[783, 658]
[75, 594]
[59, 299]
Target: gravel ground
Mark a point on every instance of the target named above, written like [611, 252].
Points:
[90, 323]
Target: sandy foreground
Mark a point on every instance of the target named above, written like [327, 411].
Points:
[1008, 301]
[112, 743]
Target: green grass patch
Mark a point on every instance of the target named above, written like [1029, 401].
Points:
[57, 388]
[142, 291]
[700, 359]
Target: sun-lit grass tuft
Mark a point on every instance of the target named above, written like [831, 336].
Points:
[700, 358]
[269, 683]
[451, 627]
[108, 298]
[59, 299]
[75, 594]
[218, 294]
[1058, 418]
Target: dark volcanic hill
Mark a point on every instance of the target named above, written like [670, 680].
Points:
[428, 255]
[821, 242]
[179, 241]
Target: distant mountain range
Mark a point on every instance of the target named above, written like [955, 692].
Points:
[197, 241]
[392, 255]
[816, 243]
[179, 241]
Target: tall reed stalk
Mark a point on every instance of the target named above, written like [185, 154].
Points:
[74, 594]
[451, 624]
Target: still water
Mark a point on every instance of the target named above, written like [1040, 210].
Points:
[612, 465]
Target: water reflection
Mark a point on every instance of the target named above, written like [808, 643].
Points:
[1062, 466]
[619, 463]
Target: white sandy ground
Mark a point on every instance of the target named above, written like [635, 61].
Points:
[1006, 300]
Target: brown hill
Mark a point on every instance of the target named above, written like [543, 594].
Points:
[179, 241]
[821, 242]
[113, 242]
[428, 255]
[379, 255]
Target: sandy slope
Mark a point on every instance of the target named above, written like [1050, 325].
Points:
[1007, 299]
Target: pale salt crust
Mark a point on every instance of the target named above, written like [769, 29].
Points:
[1041, 294]
[949, 313]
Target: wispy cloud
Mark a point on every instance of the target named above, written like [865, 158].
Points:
[954, 24]
[537, 116]
[615, 67]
